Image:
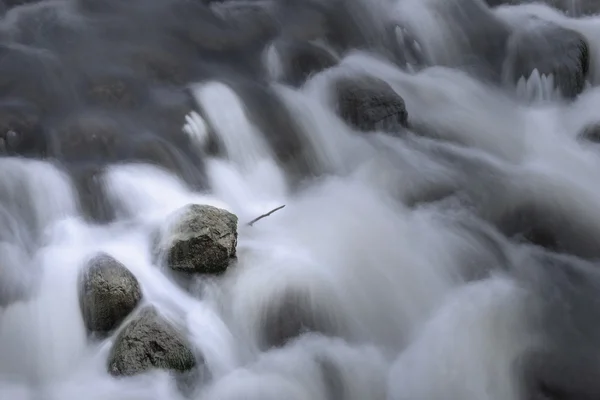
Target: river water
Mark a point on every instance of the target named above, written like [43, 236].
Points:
[392, 242]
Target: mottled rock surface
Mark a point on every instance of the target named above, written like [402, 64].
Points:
[199, 239]
[109, 293]
[149, 342]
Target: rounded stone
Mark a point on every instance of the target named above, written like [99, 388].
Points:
[109, 293]
[149, 342]
[199, 239]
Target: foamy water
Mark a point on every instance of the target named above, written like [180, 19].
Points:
[390, 244]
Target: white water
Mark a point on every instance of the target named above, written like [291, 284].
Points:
[389, 279]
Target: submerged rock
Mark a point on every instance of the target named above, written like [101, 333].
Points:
[370, 104]
[557, 53]
[291, 316]
[118, 90]
[199, 239]
[109, 293]
[149, 342]
[591, 133]
[299, 59]
[572, 8]
[20, 129]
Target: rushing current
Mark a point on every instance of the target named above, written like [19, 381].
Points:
[453, 257]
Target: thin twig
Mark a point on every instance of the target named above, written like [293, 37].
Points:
[264, 215]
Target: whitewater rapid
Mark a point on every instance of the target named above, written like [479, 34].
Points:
[406, 280]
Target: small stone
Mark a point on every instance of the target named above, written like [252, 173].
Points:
[199, 239]
[150, 342]
[109, 293]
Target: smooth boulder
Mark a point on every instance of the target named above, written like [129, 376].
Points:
[369, 104]
[150, 342]
[199, 239]
[109, 293]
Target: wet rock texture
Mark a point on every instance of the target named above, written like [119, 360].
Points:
[109, 293]
[150, 342]
[370, 104]
[199, 239]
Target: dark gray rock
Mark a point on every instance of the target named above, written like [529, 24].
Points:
[149, 342]
[552, 50]
[300, 59]
[109, 293]
[199, 239]
[21, 133]
[369, 104]
[591, 133]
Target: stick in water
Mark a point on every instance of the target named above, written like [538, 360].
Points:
[265, 215]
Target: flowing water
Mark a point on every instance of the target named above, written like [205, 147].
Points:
[399, 246]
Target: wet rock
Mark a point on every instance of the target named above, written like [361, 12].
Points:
[156, 151]
[20, 129]
[300, 59]
[572, 8]
[92, 194]
[19, 278]
[90, 136]
[109, 293]
[551, 50]
[8, 4]
[591, 133]
[199, 239]
[301, 20]
[405, 48]
[163, 65]
[370, 104]
[150, 342]
[249, 23]
[114, 90]
[291, 316]
[36, 76]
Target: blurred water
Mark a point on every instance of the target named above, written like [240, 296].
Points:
[392, 245]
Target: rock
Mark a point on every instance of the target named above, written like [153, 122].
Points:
[371, 104]
[290, 316]
[163, 65]
[405, 47]
[552, 50]
[199, 239]
[35, 76]
[115, 90]
[109, 293]
[20, 129]
[572, 8]
[249, 23]
[90, 135]
[300, 59]
[149, 342]
[591, 133]
[92, 194]
[19, 277]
